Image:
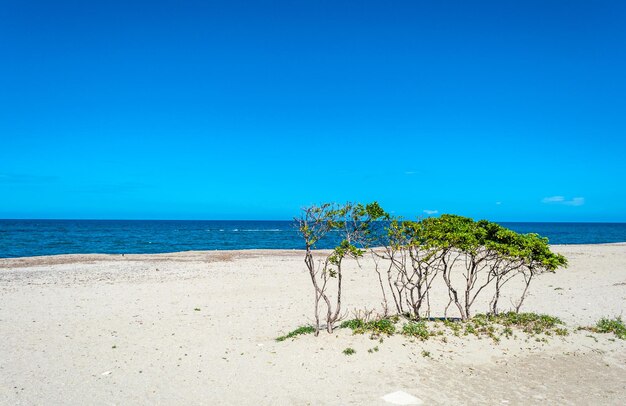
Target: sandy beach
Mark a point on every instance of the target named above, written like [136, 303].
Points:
[200, 328]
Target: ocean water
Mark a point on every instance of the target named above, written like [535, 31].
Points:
[20, 238]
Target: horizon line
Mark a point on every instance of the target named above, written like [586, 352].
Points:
[283, 220]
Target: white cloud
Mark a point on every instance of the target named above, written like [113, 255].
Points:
[553, 199]
[576, 201]
[431, 212]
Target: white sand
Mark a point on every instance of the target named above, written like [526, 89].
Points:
[61, 316]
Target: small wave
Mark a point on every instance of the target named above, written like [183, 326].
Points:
[263, 230]
[251, 230]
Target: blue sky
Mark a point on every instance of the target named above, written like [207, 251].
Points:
[511, 111]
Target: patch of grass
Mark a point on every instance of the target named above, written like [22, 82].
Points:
[373, 350]
[425, 354]
[381, 326]
[615, 326]
[297, 332]
[197, 309]
[504, 324]
[349, 351]
[490, 325]
[454, 326]
[531, 323]
[481, 325]
[352, 324]
[561, 332]
[416, 329]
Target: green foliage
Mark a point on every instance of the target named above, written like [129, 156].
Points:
[466, 235]
[454, 326]
[481, 325]
[435, 243]
[349, 351]
[380, 326]
[354, 220]
[450, 231]
[299, 331]
[561, 332]
[345, 249]
[470, 328]
[425, 354]
[531, 323]
[496, 326]
[375, 212]
[615, 326]
[352, 324]
[416, 329]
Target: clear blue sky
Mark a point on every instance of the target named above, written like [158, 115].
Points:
[249, 110]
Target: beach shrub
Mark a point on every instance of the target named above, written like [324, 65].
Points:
[530, 255]
[489, 252]
[351, 223]
[471, 257]
[412, 268]
[479, 253]
[460, 241]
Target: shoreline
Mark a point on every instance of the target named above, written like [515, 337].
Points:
[239, 252]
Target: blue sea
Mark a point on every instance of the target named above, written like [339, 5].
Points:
[21, 238]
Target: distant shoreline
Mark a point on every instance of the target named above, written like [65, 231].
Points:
[174, 255]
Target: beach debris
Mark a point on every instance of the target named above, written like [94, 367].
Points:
[402, 398]
[106, 373]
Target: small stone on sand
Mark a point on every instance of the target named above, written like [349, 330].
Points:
[402, 398]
